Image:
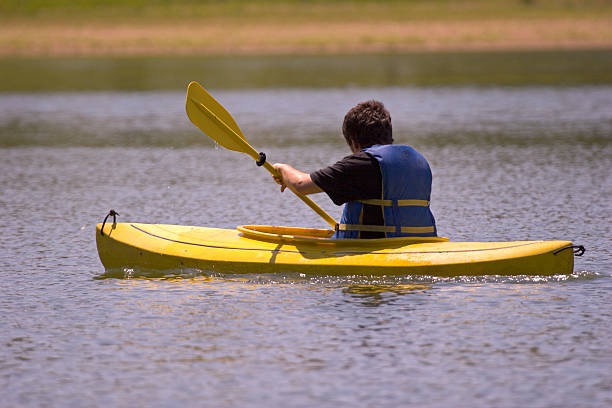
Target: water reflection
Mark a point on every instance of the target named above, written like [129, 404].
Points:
[377, 295]
[353, 285]
[425, 69]
[152, 274]
[380, 289]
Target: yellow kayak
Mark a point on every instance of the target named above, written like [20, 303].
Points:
[269, 249]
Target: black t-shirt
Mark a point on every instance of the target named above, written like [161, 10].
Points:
[355, 177]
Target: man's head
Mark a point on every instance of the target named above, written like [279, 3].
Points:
[367, 124]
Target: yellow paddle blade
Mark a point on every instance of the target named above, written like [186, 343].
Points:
[198, 92]
[213, 119]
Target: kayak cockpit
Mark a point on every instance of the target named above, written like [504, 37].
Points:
[322, 236]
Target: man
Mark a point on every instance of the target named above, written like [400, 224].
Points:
[386, 187]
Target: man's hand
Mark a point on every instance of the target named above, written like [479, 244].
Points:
[279, 178]
[297, 180]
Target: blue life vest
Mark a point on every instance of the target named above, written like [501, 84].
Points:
[406, 190]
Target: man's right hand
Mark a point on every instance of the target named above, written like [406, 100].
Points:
[279, 177]
[297, 180]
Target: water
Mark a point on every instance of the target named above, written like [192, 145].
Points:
[508, 163]
[553, 67]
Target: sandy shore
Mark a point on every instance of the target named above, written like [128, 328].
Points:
[95, 38]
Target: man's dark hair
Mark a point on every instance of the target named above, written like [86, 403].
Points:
[367, 124]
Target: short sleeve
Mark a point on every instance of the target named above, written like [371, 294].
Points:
[355, 177]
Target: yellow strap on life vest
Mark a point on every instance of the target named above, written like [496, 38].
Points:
[417, 230]
[385, 228]
[368, 228]
[400, 203]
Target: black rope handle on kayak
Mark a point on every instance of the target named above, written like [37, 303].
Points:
[262, 159]
[114, 214]
[577, 249]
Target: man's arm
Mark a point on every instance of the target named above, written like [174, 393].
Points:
[300, 181]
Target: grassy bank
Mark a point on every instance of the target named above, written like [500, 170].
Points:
[238, 27]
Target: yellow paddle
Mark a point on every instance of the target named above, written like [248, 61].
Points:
[212, 118]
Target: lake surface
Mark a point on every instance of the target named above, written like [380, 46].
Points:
[509, 163]
[540, 67]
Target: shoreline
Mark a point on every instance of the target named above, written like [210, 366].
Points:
[331, 51]
[127, 53]
[135, 44]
